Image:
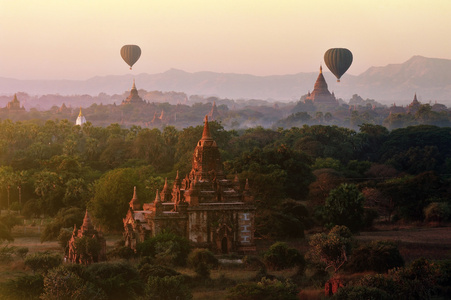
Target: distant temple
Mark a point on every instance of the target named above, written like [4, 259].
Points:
[14, 105]
[133, 98]
[321, 94]
[81, 256]
[214, 113]
[205, 207]
[80, 119]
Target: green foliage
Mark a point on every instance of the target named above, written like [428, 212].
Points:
[122, 252]
[60, 283]
[344, 206]
[266, 289]
[6, 253]
[21, 252]
[202, 260]
[119, 280]
[167, 248]
[65, 218]
[279, 256]
[437, 212]
[361, 292]
[377, 256]
[330, 250]
[23, 287]
[31, 209]
[114, 190]
[328, 162]
[42, 261]
[64, 238]
[416, 281]
[147, 270]
[167, 288]
[88, 248]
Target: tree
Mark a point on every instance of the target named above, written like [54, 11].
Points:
[279, 256]
[113, 192]
[167, 288]
[344, 206]
[202, 260]
[331, 250]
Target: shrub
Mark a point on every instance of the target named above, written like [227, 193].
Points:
[23, 287]
[437, 212]
[63, 239]
[202, 260]
[266, 289]
[168, 248]
[119, 280]
[42, 261]
[65, 218]
[122, 252]
[21, 252]
[279, 256]
[360, 292]
[381, 282]
[6, 253]
[378, 256]
[60, 283]
[146, 271]
[167, 288]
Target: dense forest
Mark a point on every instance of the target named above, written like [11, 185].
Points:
[312, 178]
[46, 167]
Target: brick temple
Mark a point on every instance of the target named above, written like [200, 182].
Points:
[205, 207]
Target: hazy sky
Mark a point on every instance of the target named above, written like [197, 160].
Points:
[79, 39]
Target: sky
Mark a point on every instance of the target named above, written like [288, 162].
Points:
[80, 39]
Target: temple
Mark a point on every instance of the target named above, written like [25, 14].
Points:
[321, 94]
[82, 256]
[81, 119]
[205, 207]
[14, 105]
[133, 98]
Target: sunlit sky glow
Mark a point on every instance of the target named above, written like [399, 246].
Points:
[79, 39]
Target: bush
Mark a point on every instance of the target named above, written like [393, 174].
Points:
[23, 287]
[42, 261]
[266, 289]
[65, 218]
[21, 252]
[122, 252]
[64, 238]
[6, 253]
[167, 288]
[60, 283]
[437, 212]
[360, 292]
[119, 280]
[202, 260]
[279, 256]
[377, 256]
[168, 248]
[146, 271]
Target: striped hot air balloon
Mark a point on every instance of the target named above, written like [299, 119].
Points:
[338, 60]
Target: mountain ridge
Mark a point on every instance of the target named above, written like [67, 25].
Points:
[430, 78]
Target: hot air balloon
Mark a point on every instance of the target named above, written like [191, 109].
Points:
[130, 54]
[338, 60]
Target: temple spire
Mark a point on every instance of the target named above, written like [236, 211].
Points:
[157, 198]
[320, 69]
[206, 133]
[80, 114]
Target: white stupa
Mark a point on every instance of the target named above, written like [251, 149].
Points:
[81, 119]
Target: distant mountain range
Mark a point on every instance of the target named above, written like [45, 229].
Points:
[430, 78]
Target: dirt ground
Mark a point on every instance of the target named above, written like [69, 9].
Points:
[428, 242]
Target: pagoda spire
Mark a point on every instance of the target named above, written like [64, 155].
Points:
[80, 114]
[206, 133]
[157, 198]
[87, 224]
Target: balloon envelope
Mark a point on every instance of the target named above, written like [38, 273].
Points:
[338, 60]
[130, 54]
